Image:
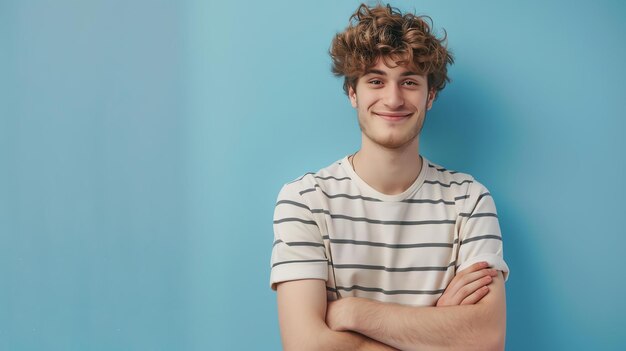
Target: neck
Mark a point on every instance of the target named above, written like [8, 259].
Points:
[389, 171]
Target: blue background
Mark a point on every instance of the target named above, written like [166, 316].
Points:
[143, 143]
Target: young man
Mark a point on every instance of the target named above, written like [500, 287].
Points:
[383, 249]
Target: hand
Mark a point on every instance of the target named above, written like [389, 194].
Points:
[340, 317]
[468, 286]
[338, 314]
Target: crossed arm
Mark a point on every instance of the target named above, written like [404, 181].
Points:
[470, 315]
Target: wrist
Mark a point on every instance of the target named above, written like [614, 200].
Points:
[353, 308]
[346, 314]
[342, 315]
[349, 311]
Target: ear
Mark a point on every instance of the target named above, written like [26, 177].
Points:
[431, 98]
[352, 96]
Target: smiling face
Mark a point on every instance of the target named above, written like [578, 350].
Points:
[391, 104]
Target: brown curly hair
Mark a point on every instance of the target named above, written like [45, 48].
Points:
[383, 31]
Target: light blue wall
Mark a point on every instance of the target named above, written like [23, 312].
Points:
[143, 143]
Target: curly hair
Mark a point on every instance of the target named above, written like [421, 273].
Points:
[383, 31]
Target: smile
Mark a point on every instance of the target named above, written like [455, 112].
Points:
[394, 117]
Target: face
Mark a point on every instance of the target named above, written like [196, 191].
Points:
[391, 104]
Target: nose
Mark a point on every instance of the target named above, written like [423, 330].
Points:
[393, 97]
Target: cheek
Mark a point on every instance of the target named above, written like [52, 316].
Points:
[366, 102]
[424, 103]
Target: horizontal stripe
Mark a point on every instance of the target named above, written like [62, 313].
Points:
[469, 215]
[461, 197]
[481, 196]
[289, 202]
[483, 215]
[339, 195]
[298, 243]
[291, 219]
[319, 177]
[297, 261]
[441, 169]
[376, 221]
[302, 177]
[307, 191]
[387, 292]
[393, 269]
[331, 177]
[392, 246]
[448, 185]
[427, 201]
[353, 197]
[481, 237]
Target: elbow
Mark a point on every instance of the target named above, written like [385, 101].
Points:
[314, 340]
[491, 335]
[497, 343]
[493, 340]
[493, 329]
[486, 342]
[299, 346]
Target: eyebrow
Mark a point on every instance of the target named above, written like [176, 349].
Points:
[382, 73]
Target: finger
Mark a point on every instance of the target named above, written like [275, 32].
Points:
[476, 296]
[468, 278]
[473, 268]
[478, 266]
[460, 281]
[470, 288]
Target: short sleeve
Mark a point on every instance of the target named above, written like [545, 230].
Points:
[479, 236]
[298, 250]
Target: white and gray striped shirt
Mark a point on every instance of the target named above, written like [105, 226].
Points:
[402, 248]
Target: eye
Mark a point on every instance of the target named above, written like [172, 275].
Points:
[375, 82]
[410, 83]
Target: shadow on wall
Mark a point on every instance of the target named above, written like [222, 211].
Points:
[474, 128]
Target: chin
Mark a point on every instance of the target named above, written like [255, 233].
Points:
[394, 142]
[391, 139]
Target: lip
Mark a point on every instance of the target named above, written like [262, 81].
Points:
[393, 116]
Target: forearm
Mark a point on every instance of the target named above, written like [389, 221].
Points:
[321, 337]
[432, 328]
[346, 341]
[480, 326]
[301, 312]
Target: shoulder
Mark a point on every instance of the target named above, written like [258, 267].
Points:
[311, 181]
[458, 182]
[462, 185]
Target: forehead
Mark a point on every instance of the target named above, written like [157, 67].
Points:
[389, 67]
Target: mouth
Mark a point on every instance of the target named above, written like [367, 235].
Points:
[393, 116]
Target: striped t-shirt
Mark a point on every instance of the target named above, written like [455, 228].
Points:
[402, 248]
